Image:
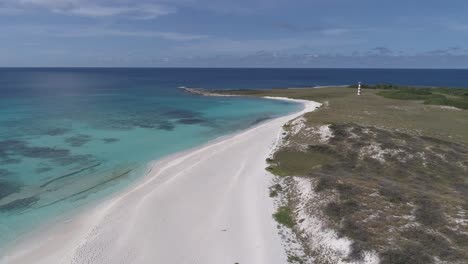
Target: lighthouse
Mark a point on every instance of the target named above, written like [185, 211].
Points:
[359, 89]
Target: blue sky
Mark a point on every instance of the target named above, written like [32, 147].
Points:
[230, 33]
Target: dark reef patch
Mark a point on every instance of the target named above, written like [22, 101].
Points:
[94, 187]
[109, 140]
[4, 173]
[149, 122]
[42, 152]
[56, 131]
[191, 121]
[78, 140]
[72, 159]
[6, 145]
[19, 204]
[7, 188]
[42, 170]
[9, 161]
[60, 156]
[69, 174]
[145, 119]
[114, 124]
[168, 126]
[181, 114]
[147, 125]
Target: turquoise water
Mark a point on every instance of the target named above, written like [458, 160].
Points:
[71, 136]
[68, 138]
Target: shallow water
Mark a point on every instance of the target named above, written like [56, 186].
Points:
[69, 137]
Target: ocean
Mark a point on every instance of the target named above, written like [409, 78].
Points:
[71, 136]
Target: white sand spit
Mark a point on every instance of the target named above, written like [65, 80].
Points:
[209, 205]
[325, 133]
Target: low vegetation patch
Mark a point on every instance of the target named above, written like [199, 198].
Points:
[342, 105]
[432, 96]
[284, 216]
[389, 183]
[275, 190]
[295, 259]
[393, 177]
[428, 97]
[277, 170]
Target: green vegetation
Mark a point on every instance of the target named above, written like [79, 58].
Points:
[341, 105]
[415, 176]
[396, 170]
[275, 190]
[428, 97]
[455, 97]
[277, 170]
[284, 216]
[297, 161]
[444, 90]
[294, 259]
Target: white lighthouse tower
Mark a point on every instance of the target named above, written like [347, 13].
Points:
[359, 89]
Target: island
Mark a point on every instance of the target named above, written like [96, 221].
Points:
[381, 176]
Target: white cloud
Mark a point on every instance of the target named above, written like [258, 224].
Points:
[288, 45]
[84, 31]
[107, 32]
[457, 26]
[335, 31]
[132, 9]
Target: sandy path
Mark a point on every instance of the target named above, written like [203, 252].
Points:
[207, 206]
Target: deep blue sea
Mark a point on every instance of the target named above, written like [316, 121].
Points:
[70, 136]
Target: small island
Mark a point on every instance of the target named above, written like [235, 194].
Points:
[381, 175]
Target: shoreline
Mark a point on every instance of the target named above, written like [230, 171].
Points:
[165, 217]
[202, 92]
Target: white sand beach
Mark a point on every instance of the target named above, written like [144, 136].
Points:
[209, 205]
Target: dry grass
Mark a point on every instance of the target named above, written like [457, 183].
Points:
[399, 169]
[341, 105]
[388, 183]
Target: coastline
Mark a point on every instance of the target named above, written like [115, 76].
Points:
[206, 205]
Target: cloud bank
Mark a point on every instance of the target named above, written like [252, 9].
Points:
[131, 9]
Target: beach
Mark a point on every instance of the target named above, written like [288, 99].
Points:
[206, 205]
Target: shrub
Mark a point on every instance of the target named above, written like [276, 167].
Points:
[356, 231]
[410, 253]
[392, 192]
[284, 216]
[377, 86]
[357, 250]
[347, 191]
[428, 95]
[275, 189]
[294, 259]
[325, 182]
[402, 95]
[437, 100]
[277, 170]
[333, 210]
[339, 133]
[321, 148]
[433, 244]
[360, 236]
[428, 212]
[337, 211]
[458, 103]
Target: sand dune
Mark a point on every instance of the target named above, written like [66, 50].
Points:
[209, 205]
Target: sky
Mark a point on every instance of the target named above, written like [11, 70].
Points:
[234, 33]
